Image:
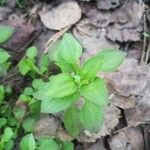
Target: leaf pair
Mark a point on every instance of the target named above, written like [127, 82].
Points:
[59, 86]
[90, 117]
[28, 64]
[106, 61]
[69, 51]
[29, 143]
[58, 94]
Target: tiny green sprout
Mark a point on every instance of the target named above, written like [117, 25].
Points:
[29, 65]
[63, 91]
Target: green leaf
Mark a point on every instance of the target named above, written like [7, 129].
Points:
[8, 134]
[64, 65]
[111, 59]
[37, 83]
[2, 93]
[9, 145]
[53, 51]
[71, 121]
[12, 122]
[67, 145]
[35, 106]
[59, 86]
[107, 60]
[47, 143]
[44, 63]
[28, 91]
[29, 124]
[3, 122]
[70, 49]
[91, 116]
[27, 65]
[5, 33]
[31, 52]
[4, 67]
[95, 91]
[28, 142]
[32, 65]
[19, 112]
[3, 56]
[55, 105]
[24, 67]
[91, 67]
[55, 56]
[147, 35]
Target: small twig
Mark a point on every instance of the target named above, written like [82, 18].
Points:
[147, 54]
[30, 41]
[144, 42]
[54, 38]
[83, 31]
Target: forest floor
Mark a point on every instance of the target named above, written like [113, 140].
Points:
[97, 24]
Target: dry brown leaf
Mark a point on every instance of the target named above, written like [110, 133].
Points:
[46, 126]
[63, 15]
[130, 78]
[124, 35]
[108, 4]
[130, 139]
[63, 135]
[122, 101]
[23, 35]
[137, 115]
[4, 12]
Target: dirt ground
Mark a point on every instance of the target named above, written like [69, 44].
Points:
[97, 24]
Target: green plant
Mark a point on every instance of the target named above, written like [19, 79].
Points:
[45, 143]
[19, 3]
[5, 33]
[28, 64]
[2, 2]
[78, 91]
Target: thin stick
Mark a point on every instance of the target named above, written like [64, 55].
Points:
[147, 54]
[83, 31]
[144, 42]
[55, 37]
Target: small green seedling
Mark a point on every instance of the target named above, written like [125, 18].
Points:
[45, 143]
[78, 91]
[5, 33]
[28, 64]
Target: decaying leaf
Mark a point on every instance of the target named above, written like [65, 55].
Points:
[122, 24]
[46, 126]
[109, 4]
[99, 145]
[126, 25]
[22, 36]
[63, 15]
[129, 139]
[4, 12]
[122, 101]
[63, 135]
[130, 79]
[137, 115]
